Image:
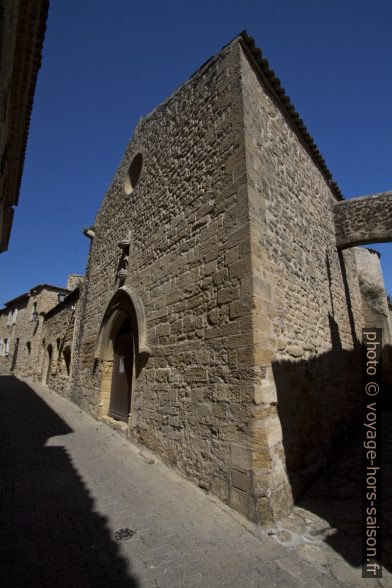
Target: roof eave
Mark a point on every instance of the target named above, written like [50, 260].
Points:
[276, 89]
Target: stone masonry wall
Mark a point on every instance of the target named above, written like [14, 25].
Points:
[73, 281]
[58, 331]
[188, 225]
[29, 357]
[307, 306]
[3, 331]
[374, 299]
[375, 304]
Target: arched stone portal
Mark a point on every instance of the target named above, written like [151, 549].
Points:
[122, 349]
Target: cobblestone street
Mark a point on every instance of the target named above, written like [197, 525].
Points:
[69, 482]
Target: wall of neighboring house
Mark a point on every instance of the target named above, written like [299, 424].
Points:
[58, 335]
[14, 316]
[22, 33]
[24, 331]
[390, 315]
[4, 334]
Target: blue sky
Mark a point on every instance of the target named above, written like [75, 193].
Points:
[105, 64]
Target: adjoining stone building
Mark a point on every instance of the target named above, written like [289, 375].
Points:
[22, 335]
[220, 319]
[22, 28]
[58, 338]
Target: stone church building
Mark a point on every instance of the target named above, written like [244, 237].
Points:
[220, 318]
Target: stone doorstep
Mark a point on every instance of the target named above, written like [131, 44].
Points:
[118, 426]
[122, 429]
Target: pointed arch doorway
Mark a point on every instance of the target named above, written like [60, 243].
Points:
[122, 349]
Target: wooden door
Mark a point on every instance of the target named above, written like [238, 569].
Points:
[120, 396]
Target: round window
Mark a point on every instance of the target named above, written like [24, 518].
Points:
[133, 174]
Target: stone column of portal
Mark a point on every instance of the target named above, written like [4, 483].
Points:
[106, 383]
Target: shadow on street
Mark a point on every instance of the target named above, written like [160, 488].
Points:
[326, 470]
[336, 497]
[51, 535]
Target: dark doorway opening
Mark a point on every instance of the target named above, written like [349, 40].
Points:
[67, 359]
[13, 366]
[123, 360]
[50, 353]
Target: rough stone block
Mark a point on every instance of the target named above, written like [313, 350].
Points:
[238, 480]
[240, 456]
